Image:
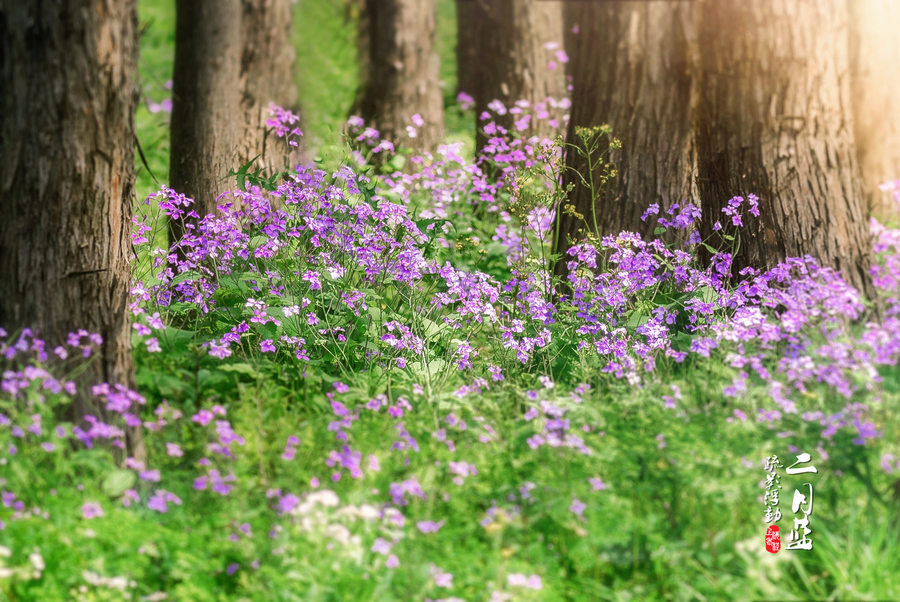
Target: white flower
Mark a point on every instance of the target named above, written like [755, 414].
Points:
[326, 497]
[368, 512]
[37, 561]
[338, 533]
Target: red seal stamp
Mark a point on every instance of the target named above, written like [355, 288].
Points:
[773, 539]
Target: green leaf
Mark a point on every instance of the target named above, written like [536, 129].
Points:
[117, 482]
[709, 248]
[397, 162]
[497, 249]
[241, 174]
[636, 319]
[708, 294]
[432, 329]
[240, 368]
[176, 339]
[682, 341]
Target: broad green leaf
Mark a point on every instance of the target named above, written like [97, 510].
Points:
[240, 368]
[117, 482]
[432, 329]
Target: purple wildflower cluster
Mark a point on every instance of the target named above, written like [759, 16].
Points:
[357, 273]
[314, 255]
[283, 123]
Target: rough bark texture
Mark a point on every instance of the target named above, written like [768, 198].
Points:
[774, 118]
[875, 81]
[630, 69]
[205, 101]
[267, 75]
[503, 56]
[66, 175]
[402, 77]
[467, 12]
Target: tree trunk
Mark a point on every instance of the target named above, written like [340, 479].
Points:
[206, 101]
[504, 56]
[630, 69]
[467, 12]
[267, 76]
[67, 176]
[874, 57]
[774, 119]
[403, 75]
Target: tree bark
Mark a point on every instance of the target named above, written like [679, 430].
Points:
[467, 12]
[206, 101]
[267, 75]
[503, 56]
[66, 177]
[774, 118]
[403, 75]
[874, 58]
[630, 66]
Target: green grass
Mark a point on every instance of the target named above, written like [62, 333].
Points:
[157, 52]
[327, 79]
[325, 39]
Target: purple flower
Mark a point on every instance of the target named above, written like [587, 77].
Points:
[150, 475]
[520, 580]
[429, 526]
[287, 503]
[313, 278]
[597, 484]
[441, 578]
[203, 417]
[381, 546]
[160, 500]
[130, 497]
[577, 507]
[91, 510]
[865, 430]
[653, 209]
